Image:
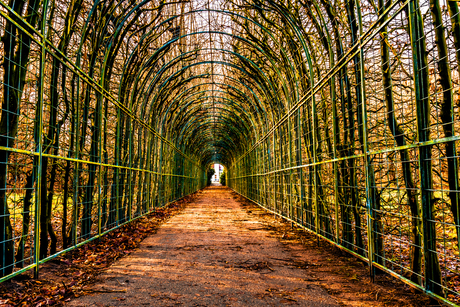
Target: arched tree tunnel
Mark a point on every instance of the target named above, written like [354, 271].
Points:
[340, 116]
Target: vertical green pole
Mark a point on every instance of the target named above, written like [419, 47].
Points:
[336, 171]
[273, 174]
[368, 169]
[259, 163]
[370, 197]
[315, 175]
[290, 169]
[160, 174]
[157, 177]
[243, 181]
[300, 170]
[40, 142]
[130, 183]
[148, 171]
[261, 173]
[282, 176]
[246, 178]
[432, 269]
[267, 170]
[101, 168]
[117, 169]
[236, 173]
[255, 174]
[77, 165]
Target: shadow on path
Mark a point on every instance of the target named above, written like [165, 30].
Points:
[211, 254]
[223, 252]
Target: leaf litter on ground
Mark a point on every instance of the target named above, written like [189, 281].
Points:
[72, 274]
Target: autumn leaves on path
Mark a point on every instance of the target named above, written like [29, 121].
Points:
[212, 254]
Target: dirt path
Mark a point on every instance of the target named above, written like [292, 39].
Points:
[212, 253]
[216, 253]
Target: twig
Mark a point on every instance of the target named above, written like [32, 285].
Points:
[106, 291]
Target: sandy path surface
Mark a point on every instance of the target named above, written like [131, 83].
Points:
[212, 254]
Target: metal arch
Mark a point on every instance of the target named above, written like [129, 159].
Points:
[171, 41]
[202, 32]
[217, 146]
[223, 84]
[247, 163]
[221, 62]
[190, 102]
[210, 135]
[233, 14]
[208, 132]
[312, 85]
[196, 93]
[205, 62]
[191, 122]
[197, 123]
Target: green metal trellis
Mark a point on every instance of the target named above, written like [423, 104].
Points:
[342, 118]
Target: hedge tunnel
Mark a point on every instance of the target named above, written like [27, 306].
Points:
[340, 116]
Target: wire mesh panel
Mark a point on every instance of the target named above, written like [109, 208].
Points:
[341, 117]
[76, 159]
[377, 170]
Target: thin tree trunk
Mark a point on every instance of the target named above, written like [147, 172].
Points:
[26, 217]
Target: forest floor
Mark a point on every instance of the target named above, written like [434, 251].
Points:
[222, 250]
